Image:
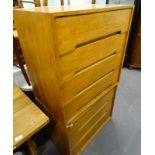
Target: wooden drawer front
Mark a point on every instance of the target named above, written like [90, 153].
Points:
[84, 56]
[100, 110]
[91, 74]
[93, 112]
[80, 100]
[88, 137]
[74, 30]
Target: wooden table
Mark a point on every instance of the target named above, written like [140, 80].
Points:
[27, 118]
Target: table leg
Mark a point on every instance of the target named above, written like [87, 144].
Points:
[32, 147]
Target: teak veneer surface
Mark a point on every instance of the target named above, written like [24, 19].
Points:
[27, 117]
[74, 56]
[76, 9]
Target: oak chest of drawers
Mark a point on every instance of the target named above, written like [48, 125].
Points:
[74, 56]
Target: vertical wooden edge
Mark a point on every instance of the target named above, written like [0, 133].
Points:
[45, 3]
[122, 61]
[57, 57]
[93, 1]
[62, 2]
[32, 147]
[125, 44]
[37, 3]
[60, 126]
[19, 60]
[20, 3]
[59, 133]
[113, 101]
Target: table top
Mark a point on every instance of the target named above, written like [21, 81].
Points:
[27, 117]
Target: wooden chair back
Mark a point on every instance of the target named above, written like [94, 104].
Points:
[36, 3]
[92, 1]
[45, 2]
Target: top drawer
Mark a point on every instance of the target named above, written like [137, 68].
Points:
[75, 30]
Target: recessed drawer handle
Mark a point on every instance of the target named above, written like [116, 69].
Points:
[69, 125]
[114, 53]
[97, 39]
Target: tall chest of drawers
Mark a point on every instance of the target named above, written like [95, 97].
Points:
[74, 57]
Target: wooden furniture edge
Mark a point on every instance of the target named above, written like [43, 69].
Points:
[70, 12]
[125, 44]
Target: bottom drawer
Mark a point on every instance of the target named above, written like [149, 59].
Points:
[86, 126]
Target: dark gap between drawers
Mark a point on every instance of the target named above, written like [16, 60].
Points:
[96, 113]
[92, 127]
[94, 97]
[91, 102]
[83, 90]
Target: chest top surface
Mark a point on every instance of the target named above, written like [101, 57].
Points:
[78, 9]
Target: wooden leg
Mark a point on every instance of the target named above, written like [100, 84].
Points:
[130, 66]
[32, 147]
[19, 61]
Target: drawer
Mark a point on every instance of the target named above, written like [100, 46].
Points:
[72, 107]
[75, 30]
[90, 134]
[87, 76]
[84, 56]
[99, 110]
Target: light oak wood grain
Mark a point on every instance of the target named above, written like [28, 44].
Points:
[91, 115]
[74, 56]
[91, 133]
[82, 79]
[80, 100]
[62, 11]
[35, 34]
[84, 29]
[135, 50]
[87, 55]
[27, 117]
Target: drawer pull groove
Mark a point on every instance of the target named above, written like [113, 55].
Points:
[92, 127]
[91, 41]
[91, 103]
[96, 113]
[98, 79]
[79, 71]
[94, 97]
[97, 39]
[90, 86]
